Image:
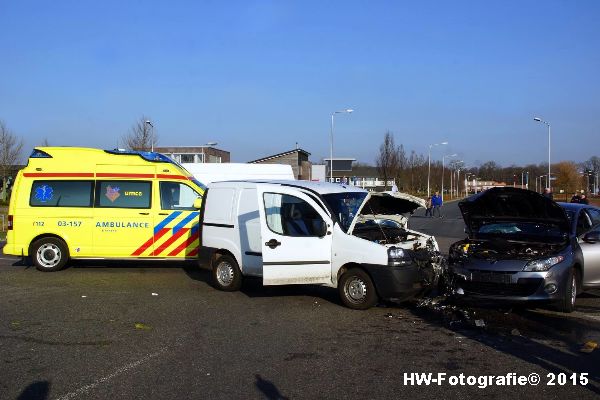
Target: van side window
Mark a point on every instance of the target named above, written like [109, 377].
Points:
[291, 216]
[123, 194]
[61, 194]
[177, 196]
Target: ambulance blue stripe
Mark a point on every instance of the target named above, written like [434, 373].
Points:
[185, 221]
[166, 221]
[194, 229]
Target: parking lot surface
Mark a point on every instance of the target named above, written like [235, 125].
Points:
[155, 330]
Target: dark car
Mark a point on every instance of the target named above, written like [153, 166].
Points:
[522, 246]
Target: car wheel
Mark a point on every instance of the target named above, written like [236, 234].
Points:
[226, 274]
[357, 290]
[567, 303]
[49, 254]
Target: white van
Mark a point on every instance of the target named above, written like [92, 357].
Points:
[298, 232]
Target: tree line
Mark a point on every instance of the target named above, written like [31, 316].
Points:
[409, 170]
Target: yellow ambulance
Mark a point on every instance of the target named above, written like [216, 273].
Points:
[102, 204]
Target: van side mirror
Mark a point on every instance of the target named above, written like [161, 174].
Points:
[592, 237]
[197, 203]
[321, 228]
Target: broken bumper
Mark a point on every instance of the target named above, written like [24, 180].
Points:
[512, 287]
[395, 283]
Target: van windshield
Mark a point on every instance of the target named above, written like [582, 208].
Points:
[345, 206]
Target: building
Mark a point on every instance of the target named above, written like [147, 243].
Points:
[195, 154]
[476, 186]
[297, 158]
[365, 176]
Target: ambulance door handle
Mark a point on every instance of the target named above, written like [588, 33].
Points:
[163, 213]
[144, 213]
[273, 243]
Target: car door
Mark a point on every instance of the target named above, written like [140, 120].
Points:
[591, 251]
[296, 240]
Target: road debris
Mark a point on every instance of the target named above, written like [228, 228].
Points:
[154, 294]
[589, 346]
[479, 323]
[515, 332]
[142, 326]
[83, 296]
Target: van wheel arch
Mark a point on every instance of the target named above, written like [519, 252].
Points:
[225, 271]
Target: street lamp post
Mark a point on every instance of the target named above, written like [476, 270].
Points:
[549, 175]
[443, 162]
[429, 165]
[147, 122]
[346, 111]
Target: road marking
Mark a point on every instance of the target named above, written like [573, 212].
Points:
[123, 369]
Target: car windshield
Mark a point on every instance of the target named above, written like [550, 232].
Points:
[521, 230]
[345, 206]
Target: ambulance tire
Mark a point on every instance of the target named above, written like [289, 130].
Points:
[49, 254]
[226, 274]
[357, 290]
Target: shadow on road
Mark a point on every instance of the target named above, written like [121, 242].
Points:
[268, 389]
[36, 391]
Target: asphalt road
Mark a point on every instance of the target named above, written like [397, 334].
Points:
[156, 331]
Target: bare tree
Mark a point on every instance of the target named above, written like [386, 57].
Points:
[388, 159]
[10, 155]
[141, 135]
[45, 143]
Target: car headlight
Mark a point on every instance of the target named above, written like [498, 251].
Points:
[398, 256]
[542, 265]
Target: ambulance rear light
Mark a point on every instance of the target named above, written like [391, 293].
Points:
[10, 222]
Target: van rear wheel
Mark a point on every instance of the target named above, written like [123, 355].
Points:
[357, 290]
[49, 254]
[226, 274]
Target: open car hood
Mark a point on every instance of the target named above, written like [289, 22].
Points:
[511, 204]
[392, 205]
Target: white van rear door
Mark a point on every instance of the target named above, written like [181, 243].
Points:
[295, 247]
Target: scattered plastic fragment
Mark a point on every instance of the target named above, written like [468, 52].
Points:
[589, 346]
[83, 296]
[479, 323]
[154, 294]
[140, 325]
[515, 332]
[388, 315]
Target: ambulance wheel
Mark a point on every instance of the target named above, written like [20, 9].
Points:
[226, 274]
[357, 290]
[49, 254]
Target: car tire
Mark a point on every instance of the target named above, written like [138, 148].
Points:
[226, 274]
[357, 290]
[49, 254]
[567, 303]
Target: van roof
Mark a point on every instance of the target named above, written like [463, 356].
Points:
[319, 187]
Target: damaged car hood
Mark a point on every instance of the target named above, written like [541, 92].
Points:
[506, 204]
[387, 205]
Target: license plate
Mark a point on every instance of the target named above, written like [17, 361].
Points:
[490, 277]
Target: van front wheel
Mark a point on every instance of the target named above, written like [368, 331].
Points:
[357, 290]
[226, 274]
[49, 254]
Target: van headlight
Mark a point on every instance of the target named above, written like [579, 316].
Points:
[542, 265]
[398, 256]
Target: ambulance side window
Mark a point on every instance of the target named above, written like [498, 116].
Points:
[177, 196]
[123, 194]
[61, 194]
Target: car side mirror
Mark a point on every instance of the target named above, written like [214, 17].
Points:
[197, 203]
[592, 237]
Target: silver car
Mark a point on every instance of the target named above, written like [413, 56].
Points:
[523, 247]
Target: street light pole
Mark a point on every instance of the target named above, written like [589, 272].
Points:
[429, 165]
[549, 175]
[443, 161]
[147, 122]
[347, 111]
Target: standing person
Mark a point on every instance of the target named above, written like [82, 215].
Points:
[576, 198]
[428, 207]
[436, 202]
[548, 193]
[583, 199]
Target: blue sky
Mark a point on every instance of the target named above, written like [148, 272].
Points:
[259, 76]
